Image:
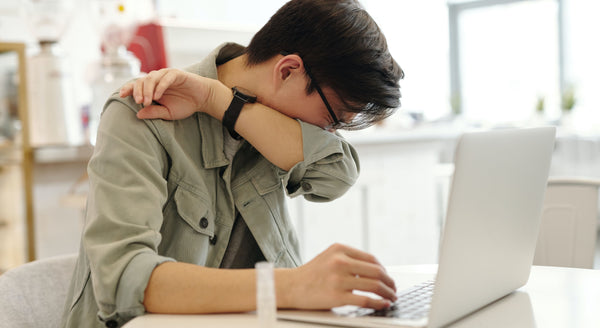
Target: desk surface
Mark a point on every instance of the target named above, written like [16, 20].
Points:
[553, 297]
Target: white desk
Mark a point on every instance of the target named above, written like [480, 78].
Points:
[553, 297]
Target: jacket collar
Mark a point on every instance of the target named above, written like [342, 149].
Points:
[212, 129]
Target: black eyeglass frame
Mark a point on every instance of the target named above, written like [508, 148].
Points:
[337, 124]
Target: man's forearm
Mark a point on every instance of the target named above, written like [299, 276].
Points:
[176, 287]
[276, 136]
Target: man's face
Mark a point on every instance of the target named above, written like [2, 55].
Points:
[309, 108]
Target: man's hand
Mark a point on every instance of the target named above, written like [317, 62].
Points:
[170, 94]
[329, 279]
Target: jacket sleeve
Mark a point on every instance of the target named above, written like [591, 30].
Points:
[124, 212]
[330, 166]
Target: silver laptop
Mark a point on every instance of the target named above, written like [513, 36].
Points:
[489, 235]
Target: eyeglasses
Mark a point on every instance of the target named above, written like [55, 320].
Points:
[337, 124]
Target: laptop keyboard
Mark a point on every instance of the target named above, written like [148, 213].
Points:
[412, 303]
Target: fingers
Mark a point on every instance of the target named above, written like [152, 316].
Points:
[146, 87]
[150, 87]
[373, 272]
[363, 264]
[126, 90]
[365, 273]
[164, 82]
[370, 285]
[367, 302]
[138, 89]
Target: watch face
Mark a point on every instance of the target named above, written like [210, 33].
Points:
[245, 94]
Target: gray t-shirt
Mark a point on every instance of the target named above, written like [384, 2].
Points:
[242, 251]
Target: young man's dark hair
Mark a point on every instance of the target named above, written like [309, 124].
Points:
[352, 57]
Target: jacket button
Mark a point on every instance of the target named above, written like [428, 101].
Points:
[111, 324]
[306, 186]
[213, 240]
[203, 223]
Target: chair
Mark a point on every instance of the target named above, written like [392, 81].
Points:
[569, 225]
[33, 295]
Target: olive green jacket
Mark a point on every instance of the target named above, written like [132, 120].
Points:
[164, 191]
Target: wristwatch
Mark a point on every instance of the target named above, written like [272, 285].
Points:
[241, 97]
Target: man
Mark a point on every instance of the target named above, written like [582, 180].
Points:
[175, 205]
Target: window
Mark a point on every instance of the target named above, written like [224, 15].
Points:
[417, 35]
[581, 64]
[504, 57]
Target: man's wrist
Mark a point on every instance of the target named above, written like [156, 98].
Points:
[241, 97]
[220, 97]
[284, 286]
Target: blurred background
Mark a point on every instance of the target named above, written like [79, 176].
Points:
[469, 65]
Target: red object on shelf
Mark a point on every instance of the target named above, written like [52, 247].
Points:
[149, 47]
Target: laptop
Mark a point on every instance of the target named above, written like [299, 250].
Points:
[489, 236]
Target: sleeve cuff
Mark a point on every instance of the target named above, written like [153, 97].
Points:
[130, 299]
[329, 168]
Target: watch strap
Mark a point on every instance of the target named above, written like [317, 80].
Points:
[233, 111]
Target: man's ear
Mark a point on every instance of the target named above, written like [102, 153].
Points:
[286, 67]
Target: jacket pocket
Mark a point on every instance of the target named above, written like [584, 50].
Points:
[195, 210]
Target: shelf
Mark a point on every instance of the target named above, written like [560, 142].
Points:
[62, 154]
[18, 244]
[10, 153]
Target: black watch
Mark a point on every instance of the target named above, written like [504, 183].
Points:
[241, 97]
